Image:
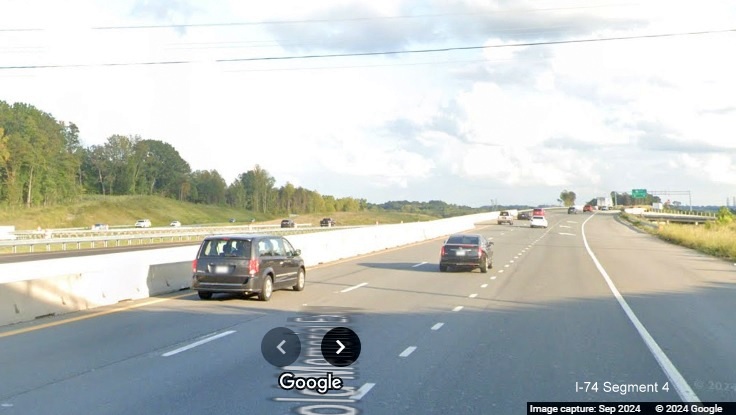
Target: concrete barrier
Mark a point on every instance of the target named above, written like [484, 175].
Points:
[29, 290]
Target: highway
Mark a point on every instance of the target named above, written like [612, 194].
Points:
[546, 317]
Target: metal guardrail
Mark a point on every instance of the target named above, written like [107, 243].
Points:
[111, 239]
[677, 218]
[683, 212]
[127, 230]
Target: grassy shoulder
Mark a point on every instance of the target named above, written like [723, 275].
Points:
[716, 239]
[125, 210]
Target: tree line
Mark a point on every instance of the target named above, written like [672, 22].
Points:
[43, 162]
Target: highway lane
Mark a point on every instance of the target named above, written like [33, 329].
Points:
[41, 255]
[535, 327]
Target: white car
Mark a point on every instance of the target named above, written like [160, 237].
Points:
[175, 224]
[100, 227]
[538, 222]
[143, 223]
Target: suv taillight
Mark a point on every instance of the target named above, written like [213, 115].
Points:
[442, 252]
[253, 266]
[480, 251]
[194, 266]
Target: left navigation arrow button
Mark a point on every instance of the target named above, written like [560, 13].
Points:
[281, 347]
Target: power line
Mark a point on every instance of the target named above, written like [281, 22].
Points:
[380, 53]
[461, 48]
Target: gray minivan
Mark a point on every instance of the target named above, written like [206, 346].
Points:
[247, 264]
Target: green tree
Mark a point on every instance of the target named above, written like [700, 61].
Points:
[724, 216]
[330, 204]
[39, 166]
[568, 197]
[258, 185]
[288, 191]
[208, 187]
[160, 167]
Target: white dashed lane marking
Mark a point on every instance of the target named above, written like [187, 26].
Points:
[437, 326]
[198, 343]
[354, 287]
[409, 350]
[458, 308]
[362, 391]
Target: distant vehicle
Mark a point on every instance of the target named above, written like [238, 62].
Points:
[505, 217]
[571, 210]
[538, 222]
[587, 208]
[231, 220]
[175, 223]
[604, 207]
[524, 216]
[247, 264]
[143, 223]
[327, 222]
[100, 227]
[538, 212]
[603, 201]
[288, 223]
[466, 251]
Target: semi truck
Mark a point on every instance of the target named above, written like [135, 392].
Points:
[604, 201]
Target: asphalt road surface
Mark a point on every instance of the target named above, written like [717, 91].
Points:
[41, 255]
[546, 319]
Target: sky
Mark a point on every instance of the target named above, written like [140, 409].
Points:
[470, 102]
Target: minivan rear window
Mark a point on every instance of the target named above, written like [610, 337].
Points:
[226, 248]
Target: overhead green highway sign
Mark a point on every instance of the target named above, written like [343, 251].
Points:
[639, 193]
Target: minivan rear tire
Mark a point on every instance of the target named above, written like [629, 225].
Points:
[266, 289]
[203, 295]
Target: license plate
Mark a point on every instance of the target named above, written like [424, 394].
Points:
[222, 269]
[460, 252]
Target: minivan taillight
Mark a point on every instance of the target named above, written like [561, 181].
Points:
[480, 251]
[253, 266]
[194, 266]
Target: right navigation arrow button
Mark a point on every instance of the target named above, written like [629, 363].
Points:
[340, 347]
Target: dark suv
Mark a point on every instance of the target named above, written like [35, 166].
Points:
[288, 223]
[247, 264]
[467, 251]
[327, 222]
